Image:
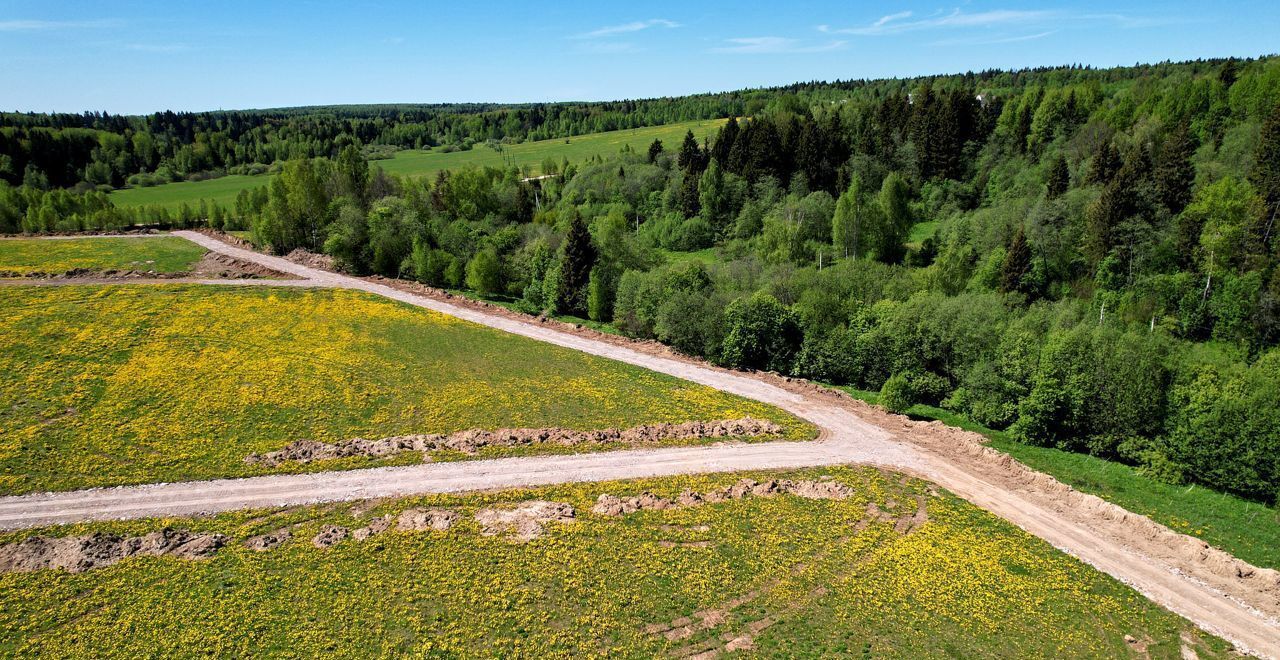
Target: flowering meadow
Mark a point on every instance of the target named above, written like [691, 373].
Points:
[109, 385]
[162, 254]
[771, 575]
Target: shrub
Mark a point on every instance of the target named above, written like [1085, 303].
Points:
[898, 393]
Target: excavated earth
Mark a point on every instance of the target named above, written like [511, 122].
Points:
[473, 440]
[77, 554]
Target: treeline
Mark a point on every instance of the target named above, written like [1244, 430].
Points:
[1086, 258]
[98, 149]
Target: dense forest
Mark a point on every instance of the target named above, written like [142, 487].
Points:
[1087, 258]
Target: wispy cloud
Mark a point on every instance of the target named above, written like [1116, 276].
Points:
[958, 19]
[770, 45]
[37, 26]
[393, 41]
[627, 28]
[902, 21]
[983, 41]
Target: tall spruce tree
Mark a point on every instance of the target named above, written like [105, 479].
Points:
[1266, 174]
[1017, 264]
[576, 262]
[1175, 173]
[655, 148]
[723, 145]
[1059, 178]
[1105, 164]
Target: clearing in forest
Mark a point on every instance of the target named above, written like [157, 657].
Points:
[36, 256]
[819, 563]
[111, 385]
[419, 162]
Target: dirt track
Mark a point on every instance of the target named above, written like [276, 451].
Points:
[1217, 592]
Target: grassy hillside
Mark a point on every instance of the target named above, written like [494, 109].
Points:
[162, 254]
[112, 385]
[427, 163]
[775, 576]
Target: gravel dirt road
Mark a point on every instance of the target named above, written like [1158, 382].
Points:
[1217, 592]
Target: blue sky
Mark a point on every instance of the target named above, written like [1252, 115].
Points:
[139, 57]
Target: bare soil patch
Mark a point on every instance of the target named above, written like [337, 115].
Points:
[614, 506]
[77, 554]
[473, 440]
[524, 521]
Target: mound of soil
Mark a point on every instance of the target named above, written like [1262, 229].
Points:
[412, 520]
[473, 440]
[524, 521]
[215, 265]
[81, 553]
[330, 535]
[268, 541]
[612, 505]
[311, 259]
[374, 528]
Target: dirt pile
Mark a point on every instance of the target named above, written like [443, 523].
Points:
[413, 520]
[81, 553]
[524, 521]
[473, 440]
[375, 527]
[311, 259]
[612, 505]
[215, 265]
[330, 535]
[268, 541]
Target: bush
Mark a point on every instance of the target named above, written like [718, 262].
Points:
[762, 333]
[484, 273]
[601, 288]
[898, 393]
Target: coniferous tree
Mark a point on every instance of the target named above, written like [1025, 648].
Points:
[576, 262]
[690, 158]
[1175, 173]
[1059, 179]
[1017, 264]
[724, 142]
[1266, 173]
[1105, 163]
[655, 149]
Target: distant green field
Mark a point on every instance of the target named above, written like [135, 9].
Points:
[172, 195]
[921, 231]
[426, 163]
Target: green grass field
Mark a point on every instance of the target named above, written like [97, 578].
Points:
[781, 575]
[921, 231]
[1248, 530]
[106, 385]
[417, 163]
[162, 254]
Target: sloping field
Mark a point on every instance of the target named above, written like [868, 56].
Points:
[132, 384]
[162, 254]
[426, 163]
[890, 567]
